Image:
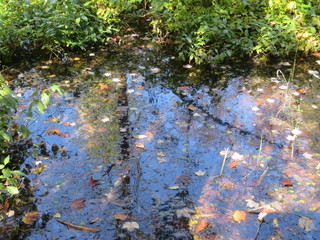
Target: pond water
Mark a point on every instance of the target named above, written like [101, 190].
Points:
[144, 147]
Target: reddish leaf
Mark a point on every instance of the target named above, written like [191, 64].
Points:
[78, 203]
[93, 182]
[239, 216]
[233, 164]
[201, 225]
[287, 182]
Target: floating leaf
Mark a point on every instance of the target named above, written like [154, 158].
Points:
[161, 154]
[93, 182]
[175, 187]
[203, 223]
[140, 136]
[120, 216]
[192, 107]
[30, 217]
[239, 216]
[139, 145]
[130, 226]
[78, 203]
[287, 182]
[233, 164]
[200, 173]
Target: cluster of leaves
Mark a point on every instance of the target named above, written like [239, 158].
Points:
[215, 30]
[11, 133]
[31, 25]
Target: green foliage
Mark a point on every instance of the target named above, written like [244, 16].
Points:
[29, 25]
[215, 30]
[11, 132]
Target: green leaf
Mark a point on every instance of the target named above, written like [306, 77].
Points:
[78, 20]
[45, 98]
[6, 160]
[24, 130]
[6, 173]
[5, 136]
[12, 190]
[40, 107]
[1, 166]
[17, 172]
[55, 87]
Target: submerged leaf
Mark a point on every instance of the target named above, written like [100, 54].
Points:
[203, 223]
[31, 217]
[78, 203]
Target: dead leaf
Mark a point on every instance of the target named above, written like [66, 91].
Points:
[239, 216]
[104, 87]
[53, 131]
[175, 187]
[31, 217]
[192, 107]
[200, 173]
[287, 182]
[10, 213]
[140, 136]
[78, 203]
[233, 164]
[120, 216]
[130, 226]
[93, 182]
[161, 154]
[139, 145]
[203, 223]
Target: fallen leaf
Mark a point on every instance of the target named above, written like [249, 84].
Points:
[252, 204]
[139, 145]
[104, 87]
[120, 216]
[237, 156]
[53, 131]
[10, 213]
[95, 220]
[192, 107]
[93, 182]
[239, 216]
[30, 217]
[233, 164]
[78, 203]
[130, 226]
[140, 136]
[57, 215]
[200, 173]
[175, 187]
[161, 154]
[203, 223]
[287, 182]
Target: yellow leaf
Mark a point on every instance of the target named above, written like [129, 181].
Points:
[239, 216]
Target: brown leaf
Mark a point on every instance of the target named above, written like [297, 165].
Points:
[203, 223]
[287, 182]
[93, 182]
[30, 217]
[120, 216]
[53, 131]
[239, 216]
[78, 203]
[233, 164]
[192, 107]
[104, 87]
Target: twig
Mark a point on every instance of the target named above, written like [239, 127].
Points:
[78, 227]
[224, 161]
[262, 177]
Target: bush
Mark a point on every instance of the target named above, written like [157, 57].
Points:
[215, 30]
